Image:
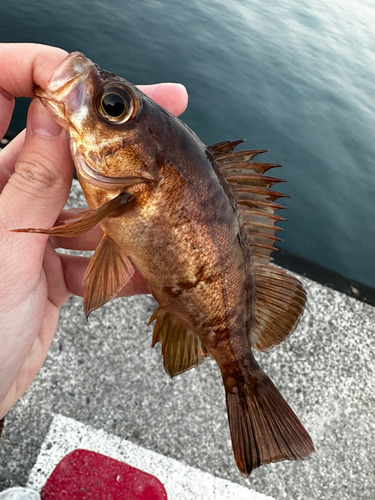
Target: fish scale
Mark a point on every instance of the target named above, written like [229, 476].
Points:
[199, 225]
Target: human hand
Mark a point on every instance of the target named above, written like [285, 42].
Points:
[35, 177]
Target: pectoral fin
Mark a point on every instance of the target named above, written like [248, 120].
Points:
[85, 221]
[182, 349]
[108, 271]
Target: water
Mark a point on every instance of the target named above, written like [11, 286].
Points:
[296, 78]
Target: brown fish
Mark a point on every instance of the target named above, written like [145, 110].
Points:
[199, 224]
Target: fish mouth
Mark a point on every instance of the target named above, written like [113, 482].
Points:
[71, 69]
[56, 108]
[66, 91]
[100, 180]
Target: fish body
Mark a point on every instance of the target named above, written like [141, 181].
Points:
[198, 223]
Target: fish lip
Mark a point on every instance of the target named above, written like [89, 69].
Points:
[102, 180]
[72, 71]
[56, 108]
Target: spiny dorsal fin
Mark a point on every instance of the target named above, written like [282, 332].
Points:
[108, 271]
[279, 297]
[224, 147]
[255, 199]
[182, 349]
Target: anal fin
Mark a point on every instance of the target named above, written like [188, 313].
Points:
[108, 271]
[182, 349]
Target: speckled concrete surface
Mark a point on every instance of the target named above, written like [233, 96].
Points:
[104, 373]
[180, 481]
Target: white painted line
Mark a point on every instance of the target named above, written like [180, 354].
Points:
[181, 481]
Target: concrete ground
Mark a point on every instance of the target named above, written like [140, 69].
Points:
[104, 374]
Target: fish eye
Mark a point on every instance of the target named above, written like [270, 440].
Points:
[115, 104]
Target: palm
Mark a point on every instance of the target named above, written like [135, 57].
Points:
[33, 332]
[35, 176]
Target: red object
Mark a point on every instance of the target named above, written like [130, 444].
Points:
[86, 475]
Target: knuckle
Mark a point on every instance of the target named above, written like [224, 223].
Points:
[38, 172]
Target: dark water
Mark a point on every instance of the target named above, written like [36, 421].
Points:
[295, 76]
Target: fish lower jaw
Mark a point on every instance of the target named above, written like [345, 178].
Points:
[96, 178]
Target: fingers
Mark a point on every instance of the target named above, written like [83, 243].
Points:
[9, 154]
[38, 189]
[171, 96]
[8, 158]
[58, 292]
[23, 67]
[6, 106]
[74, 271]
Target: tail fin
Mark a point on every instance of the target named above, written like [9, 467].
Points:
[263, 427]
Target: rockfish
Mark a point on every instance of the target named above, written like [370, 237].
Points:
[198, 223]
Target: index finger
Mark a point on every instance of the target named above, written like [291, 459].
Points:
[23, 67]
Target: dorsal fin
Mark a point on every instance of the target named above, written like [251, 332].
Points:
[182, 349]
[224, 147]
[279, 297]
[279, 303]
[255, 199]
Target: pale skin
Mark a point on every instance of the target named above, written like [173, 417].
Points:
[35, 176]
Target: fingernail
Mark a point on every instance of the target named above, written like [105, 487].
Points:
[41, 121]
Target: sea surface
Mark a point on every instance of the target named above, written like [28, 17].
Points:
[296, 77]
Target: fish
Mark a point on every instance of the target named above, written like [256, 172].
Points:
[199, 224]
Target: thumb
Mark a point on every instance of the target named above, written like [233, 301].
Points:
[37, 191]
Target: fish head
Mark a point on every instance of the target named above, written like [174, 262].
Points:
[106, 117]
